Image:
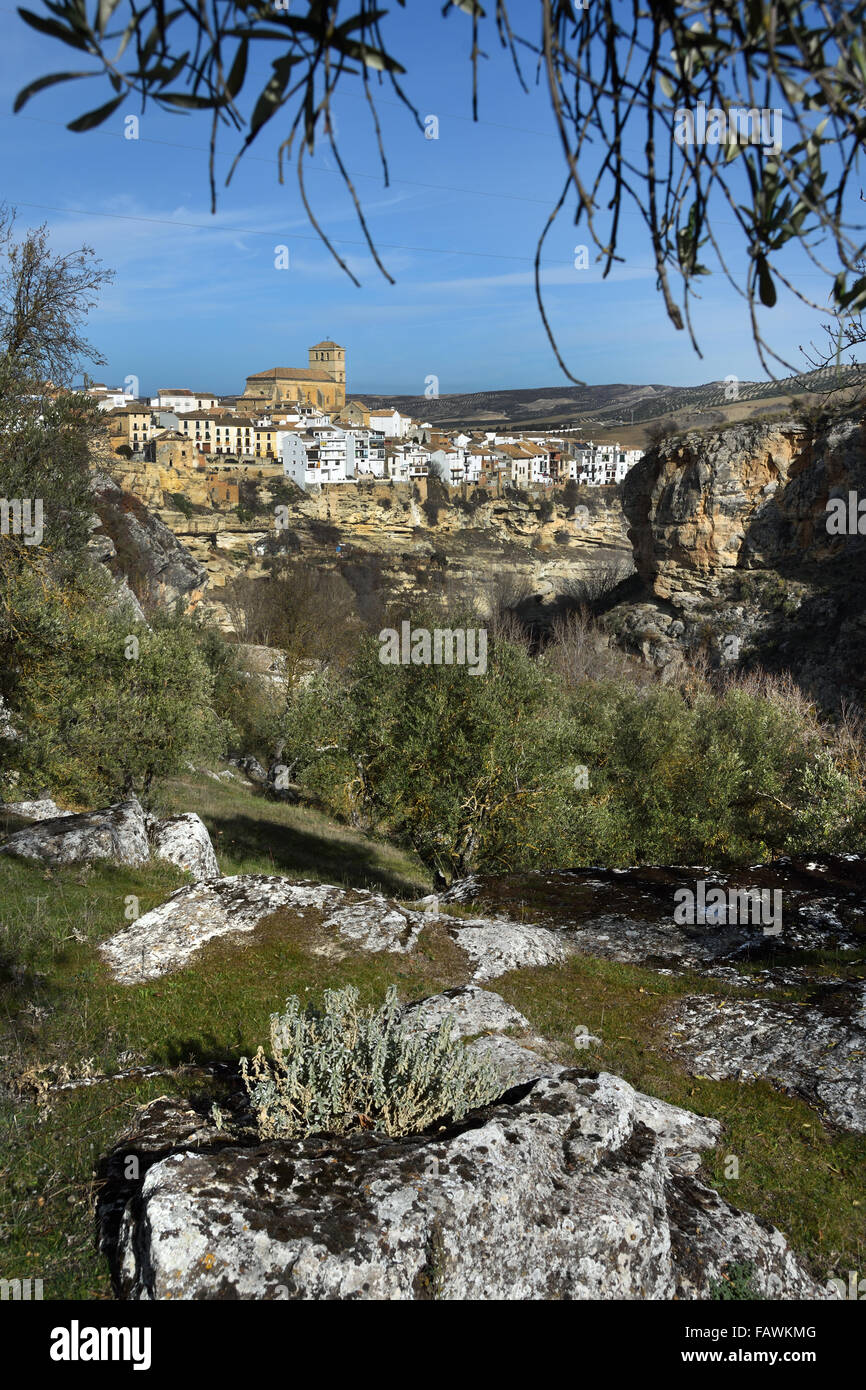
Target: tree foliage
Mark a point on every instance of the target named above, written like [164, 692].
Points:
[45, 430]
[45, 297]
[539, 764]
[99, 704]
[616, 73]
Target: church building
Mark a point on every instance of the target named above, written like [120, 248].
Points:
[322, 384]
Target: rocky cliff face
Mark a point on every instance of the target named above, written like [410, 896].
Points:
[732, 547]
[139, 548]
[402, 544]
[728, 531]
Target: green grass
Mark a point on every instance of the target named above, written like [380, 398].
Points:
[809, 1180]
[61, 1011]
[253, 834]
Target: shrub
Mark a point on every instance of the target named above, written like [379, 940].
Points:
[347, 1068]
[249, 704]
[483, 792]
[181, 503]
[736, 1283]
[105, 703]
[476, 773]
[594, 590]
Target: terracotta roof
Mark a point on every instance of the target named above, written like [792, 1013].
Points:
[291, 374]
[326, 344]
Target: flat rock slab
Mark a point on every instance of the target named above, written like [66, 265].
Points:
[43, 809]
[564, 1189]
[628, 914]
[496, 946]
[817, 1053]
[167, 938]
[471, 1010]
[484, 1017]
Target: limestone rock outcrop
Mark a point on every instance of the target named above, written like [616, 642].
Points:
[41, 809]
[138, 547]
[816, 1053]
[732, 545]
[184, 840]
[122, 833]
[572, 1186]
[117, 833]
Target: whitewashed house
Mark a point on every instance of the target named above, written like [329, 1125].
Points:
[391, 423]
[180, 400]
[311, 463]
[369, 452]
[603, 464]
[448, 464]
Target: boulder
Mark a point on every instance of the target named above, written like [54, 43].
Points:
[252, 769]
[42, 809]
[471, 1010]
[184, 840]
[117, 832]
[482, 1016]
[571, 1186]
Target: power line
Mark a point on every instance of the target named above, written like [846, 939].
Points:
[312, 168]
[339, 241]
[260, 231]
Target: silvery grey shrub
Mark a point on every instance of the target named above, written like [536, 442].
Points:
[346, 1068]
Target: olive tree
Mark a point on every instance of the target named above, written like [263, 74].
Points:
[622, 77]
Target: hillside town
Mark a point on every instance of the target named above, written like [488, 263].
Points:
[296, 423]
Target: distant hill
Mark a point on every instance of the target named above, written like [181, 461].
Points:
[621, 408]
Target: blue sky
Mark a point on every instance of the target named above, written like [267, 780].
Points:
[197, 299]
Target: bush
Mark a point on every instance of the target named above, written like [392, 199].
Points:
[595, 590]
[250, 705]
[476, 773]
[181, 503]
[347, 1068]
[105, 704]
[461, 767]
